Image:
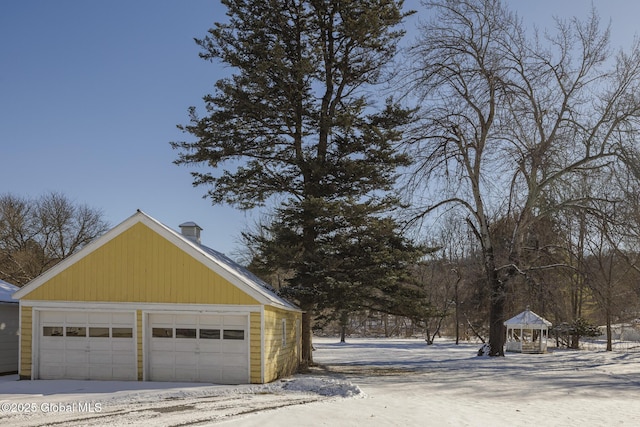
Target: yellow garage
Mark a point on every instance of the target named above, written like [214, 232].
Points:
[145, 302]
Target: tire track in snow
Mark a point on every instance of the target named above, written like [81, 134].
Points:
[175, 412]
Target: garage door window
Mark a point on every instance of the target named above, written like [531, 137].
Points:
[52, 331]
[185, 333]
[210, 334]
[233, 334]
[76, 331]
[162, 332]
[99, 332]
[122, 332]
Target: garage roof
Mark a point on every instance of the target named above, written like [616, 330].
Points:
[218, 262]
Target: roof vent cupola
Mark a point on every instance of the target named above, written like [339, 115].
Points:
[191, 231]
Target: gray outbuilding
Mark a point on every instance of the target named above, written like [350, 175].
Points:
[9, 315]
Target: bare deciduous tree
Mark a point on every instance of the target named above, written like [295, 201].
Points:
[509, 119]
[37, 234]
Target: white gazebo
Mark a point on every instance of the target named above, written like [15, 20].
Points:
[527, 333]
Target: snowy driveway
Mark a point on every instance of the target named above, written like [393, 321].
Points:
[114, 403]
[364, 382]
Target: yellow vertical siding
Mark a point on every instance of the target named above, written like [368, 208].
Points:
[140, 265]
[255, 325]
[281, 361]
[26, 328]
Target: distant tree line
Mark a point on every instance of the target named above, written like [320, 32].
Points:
[36, 234]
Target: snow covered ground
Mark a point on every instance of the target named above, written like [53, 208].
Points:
[381, 382]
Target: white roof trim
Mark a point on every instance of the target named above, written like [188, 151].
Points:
[156, 307]
[216, 261]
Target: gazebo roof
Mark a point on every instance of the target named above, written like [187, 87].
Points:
[528, 320]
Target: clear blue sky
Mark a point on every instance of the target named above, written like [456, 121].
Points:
[91, 93]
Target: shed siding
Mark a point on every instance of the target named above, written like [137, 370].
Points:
[140, 265]
[26, 328]
[9, 338]
[281, 361]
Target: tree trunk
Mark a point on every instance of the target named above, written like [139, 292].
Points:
[307, 345]
[496, 314]
[344, 320]
[579, 281]
[496, 319]
[385, 319]
[609, 341]
[309, 235]
[457, 311]
[575, 341]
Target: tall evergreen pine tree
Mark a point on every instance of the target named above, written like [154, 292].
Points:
[299, 119]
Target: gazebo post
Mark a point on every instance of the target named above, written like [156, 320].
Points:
[521, 339]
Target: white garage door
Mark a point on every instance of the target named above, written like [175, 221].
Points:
[87, 345]
[201, 348]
